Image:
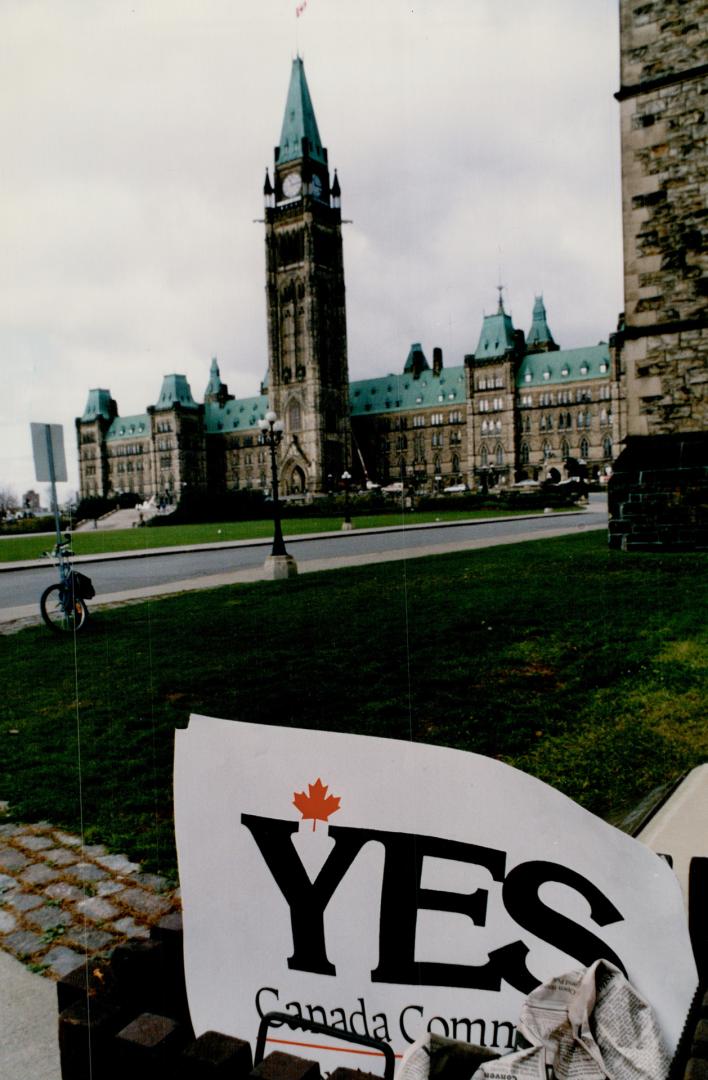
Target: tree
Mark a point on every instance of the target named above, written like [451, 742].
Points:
[8, 502]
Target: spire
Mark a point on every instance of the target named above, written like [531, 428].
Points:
[214, 384]
[498, 336]
[540, 338]
[299, 136]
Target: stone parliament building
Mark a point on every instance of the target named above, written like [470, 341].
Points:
[516, 407]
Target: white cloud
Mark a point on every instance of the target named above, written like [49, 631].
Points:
[472, 138]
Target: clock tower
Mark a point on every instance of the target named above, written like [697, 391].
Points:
[308, 378]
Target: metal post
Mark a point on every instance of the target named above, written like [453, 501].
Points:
[53, 482]
[278, 542]
[346, 480]
[278, 564]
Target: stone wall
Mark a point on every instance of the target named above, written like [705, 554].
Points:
[663, 96]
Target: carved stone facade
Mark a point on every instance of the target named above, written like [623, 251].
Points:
[662, 341]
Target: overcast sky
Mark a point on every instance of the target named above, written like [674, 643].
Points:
[475, 140]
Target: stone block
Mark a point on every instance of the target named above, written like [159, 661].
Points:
[87, 939]
[142, 976]
[96, 909]
[86, 1035]
[35, 843]
[84, 980]
[12, 859]
[8, 884]
[86, 873]
[168, 932]
[145, 903]
[60, 960]
[61, 857]
[8, 922]
[109, 888]
[355, 1074]
[696, 1069]
[148, 1047]
[213, 1056]
[48, 917]
[280, 1066]
[127, 927]
[67, 838]
[38, 874]
[699, 1046]
[118, 864]
[23, 901]
[61, 890]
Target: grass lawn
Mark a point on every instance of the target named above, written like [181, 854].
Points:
[20, 548]
[582, 666]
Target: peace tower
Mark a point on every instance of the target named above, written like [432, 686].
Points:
[308, 379]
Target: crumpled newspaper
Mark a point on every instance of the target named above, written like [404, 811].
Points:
[586, 1025]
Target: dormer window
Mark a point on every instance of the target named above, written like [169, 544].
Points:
[546, 374]
[528, 377]
[565, 370]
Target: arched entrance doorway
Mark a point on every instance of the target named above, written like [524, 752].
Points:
[296, 484]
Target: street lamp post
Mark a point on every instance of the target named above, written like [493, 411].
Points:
[346, 480]
[278, 564]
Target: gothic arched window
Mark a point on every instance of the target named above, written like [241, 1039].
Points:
[484, 457]
[499, 455]
[294, 416]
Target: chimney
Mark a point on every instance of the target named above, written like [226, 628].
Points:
[437, 361]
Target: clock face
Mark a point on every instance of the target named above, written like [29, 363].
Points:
[316, 186]
[291, 185]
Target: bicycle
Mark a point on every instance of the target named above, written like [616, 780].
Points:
[63, 605]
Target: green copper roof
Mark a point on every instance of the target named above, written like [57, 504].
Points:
[416, 360]
[497, 335]
[125, 427]
[564, 366]
[401, 393]
[99, 404]
[238, 415]
[299, 121]
[539, 334]
[175, 391]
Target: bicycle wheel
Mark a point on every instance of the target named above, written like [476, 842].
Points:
[60, 612]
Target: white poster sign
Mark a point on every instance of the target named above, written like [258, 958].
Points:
[48, 451]
[393, 888]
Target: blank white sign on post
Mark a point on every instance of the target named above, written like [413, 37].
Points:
[48, 451]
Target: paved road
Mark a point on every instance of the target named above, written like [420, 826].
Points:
[118, 578]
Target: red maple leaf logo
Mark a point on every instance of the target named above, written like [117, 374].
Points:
[317, 805]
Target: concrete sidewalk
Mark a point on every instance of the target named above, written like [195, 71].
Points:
[29, 1047]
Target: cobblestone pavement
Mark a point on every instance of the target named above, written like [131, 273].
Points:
[62, 903]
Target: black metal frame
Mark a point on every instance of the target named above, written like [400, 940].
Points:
[296, 1022]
